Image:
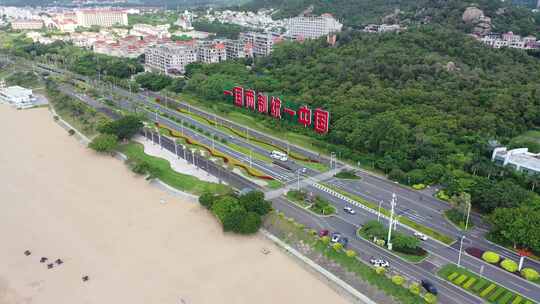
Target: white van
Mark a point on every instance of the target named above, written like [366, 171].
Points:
[279, 155]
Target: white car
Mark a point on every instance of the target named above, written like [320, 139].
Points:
[349, 210]
[421, 236]
[379, 263]
[335, 237]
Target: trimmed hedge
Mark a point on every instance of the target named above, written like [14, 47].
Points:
[488, 290]
[398, 280]
[430, 298]
[517, 300]
[415, 288]
[469, 283]
[452, 276]
[491, 257]
[479, 285]
[495, 295]
[509, 265]
[460, 279]
[505, 298]
[530, 274]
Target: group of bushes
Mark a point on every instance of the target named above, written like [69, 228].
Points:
[400, 242]
[347, 174]
[240, 214]
[113, 131]
[506, 264]
[486, 289]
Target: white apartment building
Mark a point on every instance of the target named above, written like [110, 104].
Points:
[211, 52]
[312, 27]
[262, 43]
[26, 24]
[510, 40]
[160, 31]
[17, 96]
[169, 58]
[519, 159]
[238, 49]
[101, 17]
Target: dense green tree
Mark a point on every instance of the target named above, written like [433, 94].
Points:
[104, 143]
[254, 201]
[123, 128]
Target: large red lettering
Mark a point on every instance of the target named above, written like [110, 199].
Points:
[304, 116]
[322, 121]
[238, 94]
[262, 103]
[250, 99]
[275, 107]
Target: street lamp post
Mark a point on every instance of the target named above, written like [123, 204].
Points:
[298, 183]
[468, 214]
[393, 204]
[379, 211]
[460, 249]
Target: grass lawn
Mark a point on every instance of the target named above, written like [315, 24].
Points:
[293, 234]
[408, 257]
[486, 289]
[425, 230]
[457, 219]
[274, 184]
[172, 178]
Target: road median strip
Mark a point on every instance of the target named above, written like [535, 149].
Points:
[372, 208]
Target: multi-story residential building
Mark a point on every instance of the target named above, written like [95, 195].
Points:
[312, 27]
[262, 43]
[101, 17]
[238, 49]
[211, 52]
[170, 58]
[160, 31]
[519, 159]
[510, 40]
[26, 24]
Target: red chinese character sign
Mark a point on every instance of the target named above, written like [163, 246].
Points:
[319, 119]
[275, 107]
[322, 121]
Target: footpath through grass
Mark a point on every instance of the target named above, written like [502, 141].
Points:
[486, 289]
[182, 182]
[421, 228]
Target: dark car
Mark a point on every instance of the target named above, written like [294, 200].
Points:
[343, 241]
[323, 232]
[429, 287]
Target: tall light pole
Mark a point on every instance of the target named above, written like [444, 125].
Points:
[379, 211]
[468, 214]
[460, 249]
[298, 184]
[393, 204]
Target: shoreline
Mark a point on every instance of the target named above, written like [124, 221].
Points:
[134, 251]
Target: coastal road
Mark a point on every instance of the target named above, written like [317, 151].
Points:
[347, 225]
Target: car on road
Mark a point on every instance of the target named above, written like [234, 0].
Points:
[343, 241]
[379, 263]
[323, 232]
[429, 287]
[303, 170]
[349, 210]
[421, 236]
[335, 237]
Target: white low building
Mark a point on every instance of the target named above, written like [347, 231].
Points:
[519, 159]
[18, 96]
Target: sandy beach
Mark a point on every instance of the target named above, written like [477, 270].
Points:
[61, 200]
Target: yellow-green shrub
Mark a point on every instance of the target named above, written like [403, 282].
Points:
[415, 288]
[530, 274]
[509, 265]
[491, 257]
[430, 298]
[350, 253]
[398, 280]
